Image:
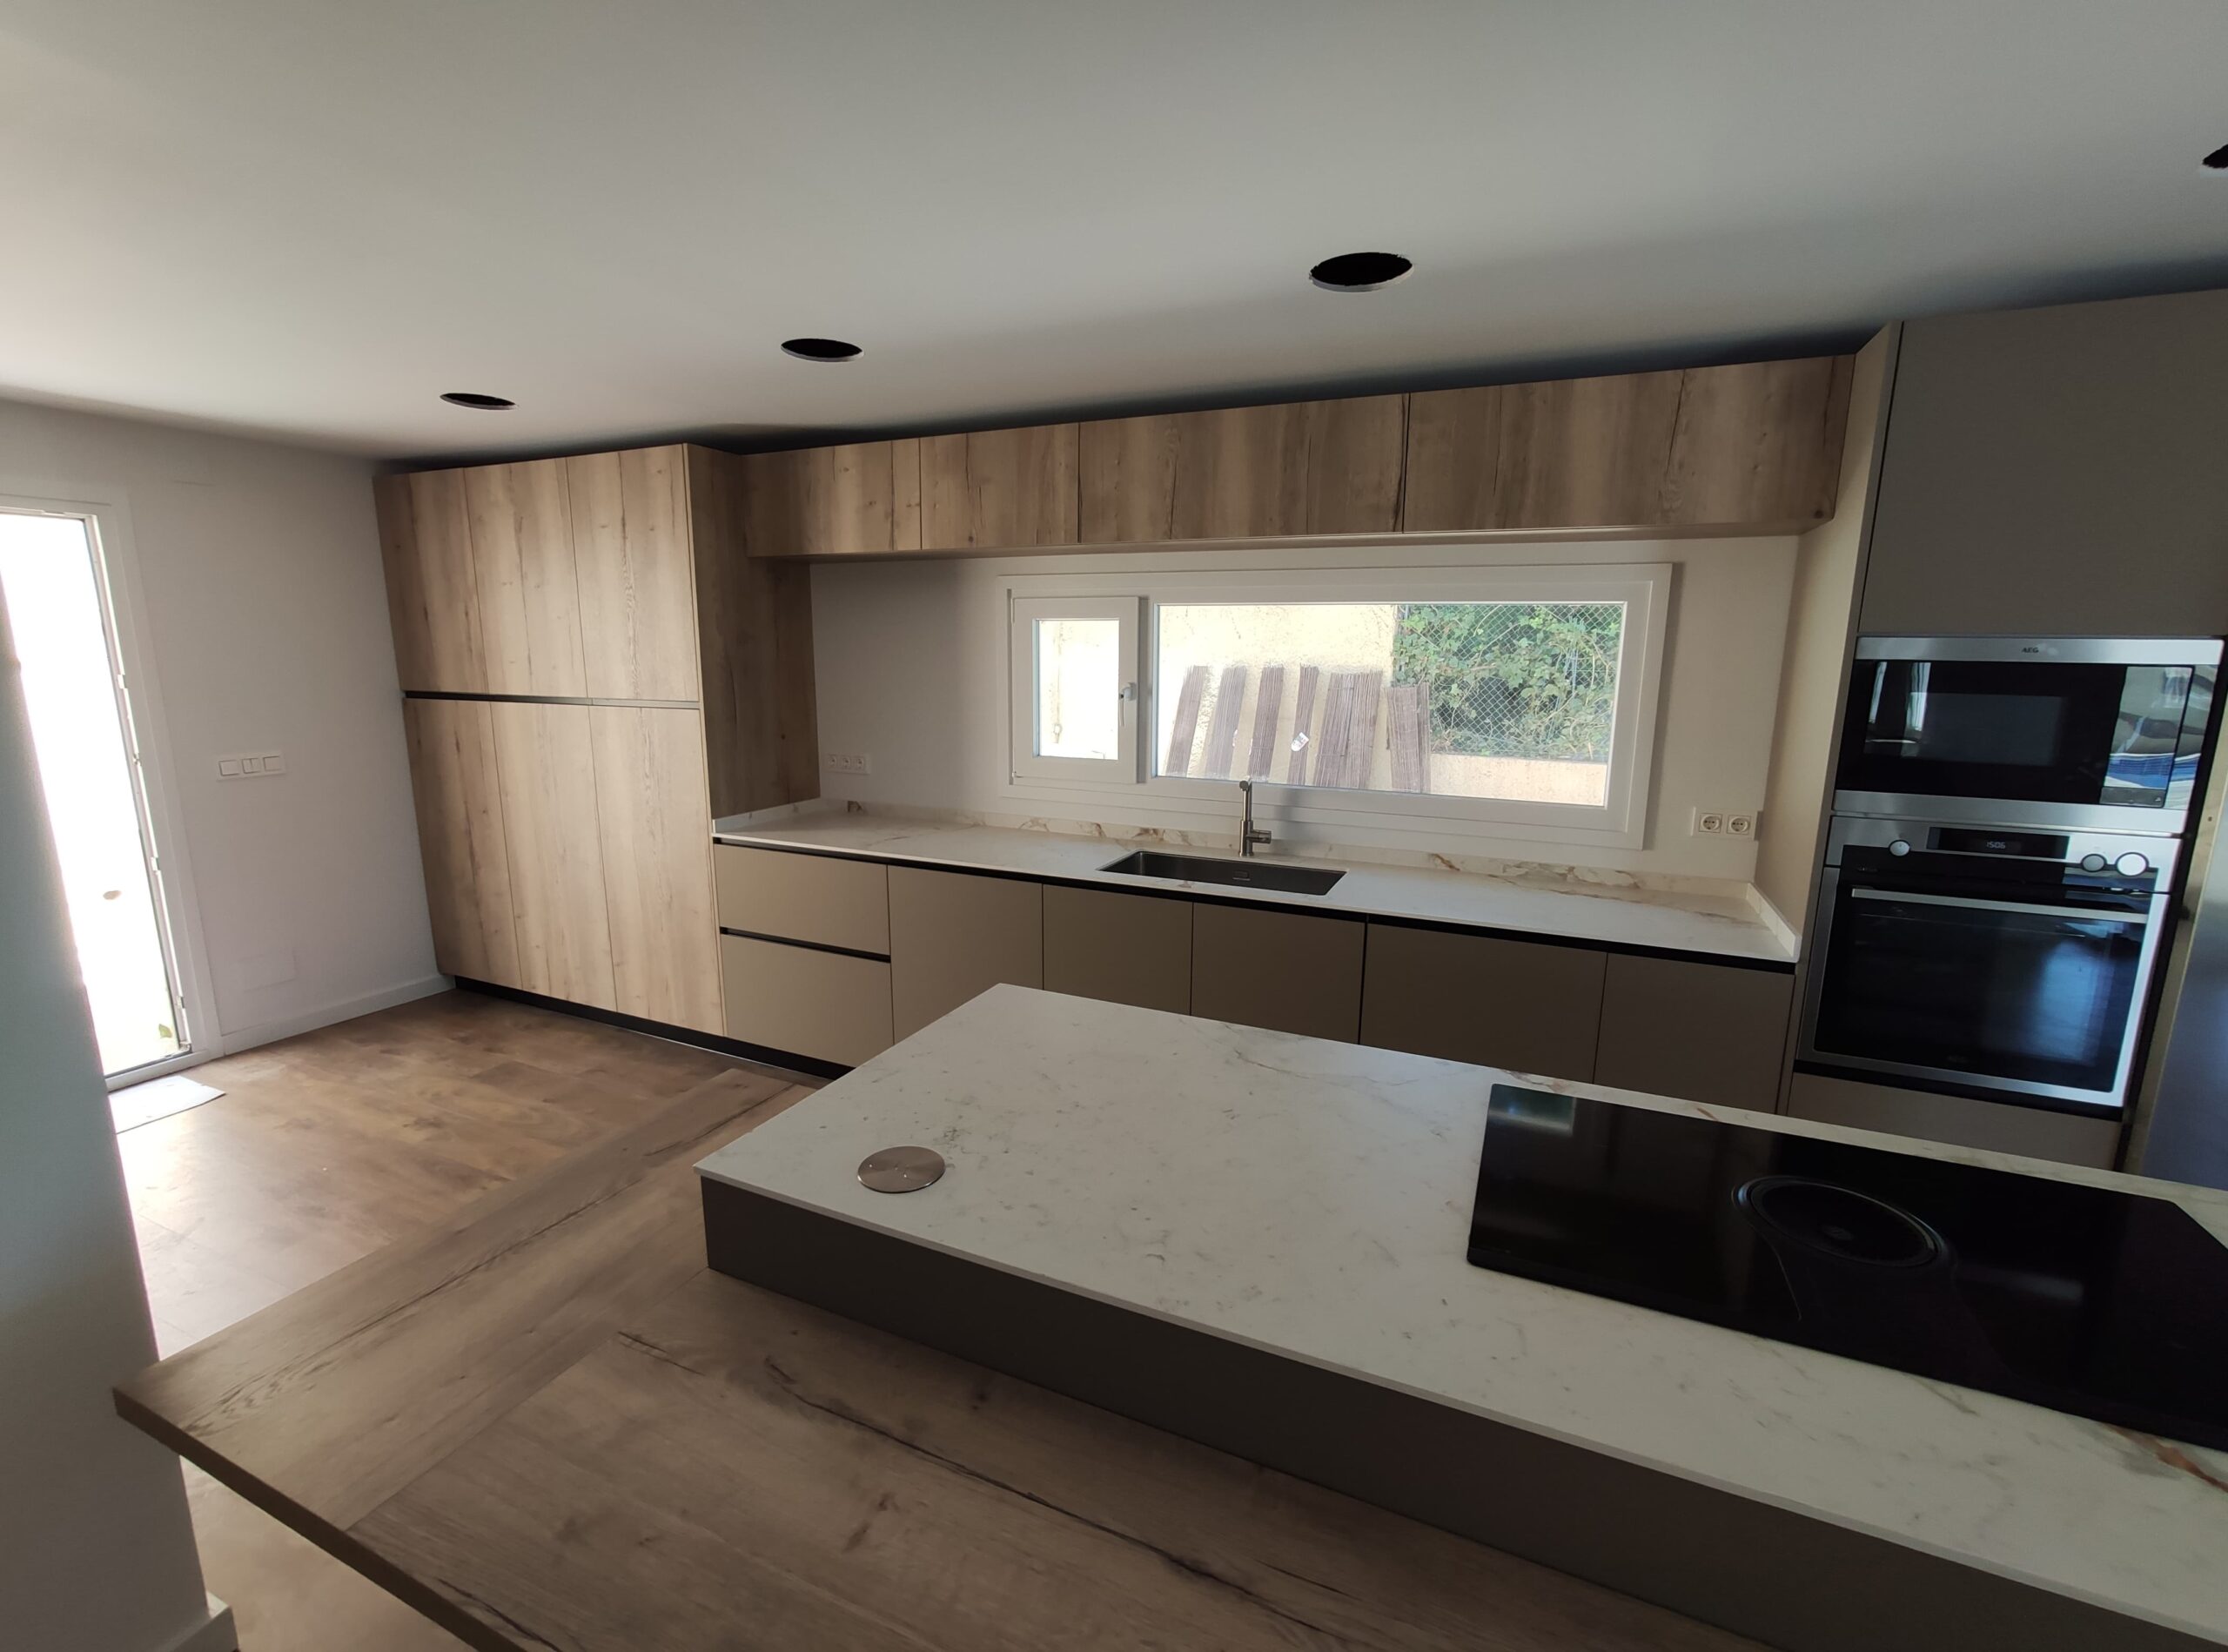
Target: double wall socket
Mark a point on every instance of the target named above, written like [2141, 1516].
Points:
[247, 765]
[1724, 823]
[847, 762]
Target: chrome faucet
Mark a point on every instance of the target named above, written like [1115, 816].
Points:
[1247, 836]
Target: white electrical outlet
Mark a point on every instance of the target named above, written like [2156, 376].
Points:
[847, 762]
[251, 765]
[1709, 822]
[1738, 825]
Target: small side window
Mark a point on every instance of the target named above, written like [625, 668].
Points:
[1075, 687]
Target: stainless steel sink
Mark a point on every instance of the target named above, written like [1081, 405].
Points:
[1282, 877]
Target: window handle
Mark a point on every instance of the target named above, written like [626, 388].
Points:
[1129, 693]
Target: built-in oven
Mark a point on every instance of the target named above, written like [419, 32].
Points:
[2100, 734]
[2009, 965]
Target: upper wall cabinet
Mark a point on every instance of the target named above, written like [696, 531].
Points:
[861, 499]
[2056, 471]
[433, 590]
[1244, 472]
[1753, 448]
[631, 542]
[990, 490]
[1747, 449]
[522, 531]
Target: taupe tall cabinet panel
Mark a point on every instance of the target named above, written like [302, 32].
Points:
[458, 791]
[953, 935]
[546, 759]
[1526, 1005]
[529, 600]
[1290, 971]
[431, 585]
[2056, 472]
[1702, 1031]
[651, 811]
[632, 548]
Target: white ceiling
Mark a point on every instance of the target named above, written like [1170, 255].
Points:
[311, 217]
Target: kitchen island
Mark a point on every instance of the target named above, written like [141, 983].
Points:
[1259, 1205]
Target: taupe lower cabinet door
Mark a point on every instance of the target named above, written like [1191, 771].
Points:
[453, 780]
[1125, 949]
[1290, 971]
[547, 761]
[1701, 1031]
[654, 817]
[1520, 1005]
[529, 599]
[953, 935]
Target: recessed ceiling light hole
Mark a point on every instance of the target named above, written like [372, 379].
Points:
[1360, 271]
[819, 349]
[2218, 160]
[473, 399]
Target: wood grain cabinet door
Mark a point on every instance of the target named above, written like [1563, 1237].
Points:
[655, 822]
[454, 780]
[529, 598]
[990, 490]
[547, 764]
[1750, 448]
[1272, 472]
[432, 586]
[632, 556]
[953, 934]
[1293, 971]
[1707, 1032]
[1119, 947]
[1525, 1005]
[861, 498]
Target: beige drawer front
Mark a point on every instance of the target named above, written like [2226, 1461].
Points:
[828, 1005]
[1496, 1002]
[804, 897]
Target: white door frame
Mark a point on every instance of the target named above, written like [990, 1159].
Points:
[116, 570]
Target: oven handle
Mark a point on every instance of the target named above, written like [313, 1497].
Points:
[2138, 919]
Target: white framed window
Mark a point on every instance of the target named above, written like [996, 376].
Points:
[1075, 687]
[1437, 701]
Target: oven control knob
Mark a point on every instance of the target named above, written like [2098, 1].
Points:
[2131, 865]
[1899, 849]
[2094, 863]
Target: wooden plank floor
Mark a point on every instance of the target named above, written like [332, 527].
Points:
[324, 1149]
[538, 1419]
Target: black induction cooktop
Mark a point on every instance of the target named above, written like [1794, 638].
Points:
[2107, 1305]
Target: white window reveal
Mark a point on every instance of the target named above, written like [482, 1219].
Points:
[1075, 679]
[1416, 699]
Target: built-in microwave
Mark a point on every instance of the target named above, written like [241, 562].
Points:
[2103, 733]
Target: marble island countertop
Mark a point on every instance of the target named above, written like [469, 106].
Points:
[1609, 912]
[1313, 1200]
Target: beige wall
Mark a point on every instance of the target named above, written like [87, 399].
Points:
[266, 612]
[1829, 563]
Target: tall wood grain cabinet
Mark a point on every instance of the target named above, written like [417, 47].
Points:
[593, 670]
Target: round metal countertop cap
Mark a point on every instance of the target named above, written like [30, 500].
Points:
[901, 1170]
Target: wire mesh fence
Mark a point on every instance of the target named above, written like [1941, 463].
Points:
[1513, 679]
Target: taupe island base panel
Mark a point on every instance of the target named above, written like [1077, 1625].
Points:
[546, 1425]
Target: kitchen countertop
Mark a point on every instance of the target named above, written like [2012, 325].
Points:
[1313, 1200]
[1644, 919]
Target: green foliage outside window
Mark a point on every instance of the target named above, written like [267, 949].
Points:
[1513, 679]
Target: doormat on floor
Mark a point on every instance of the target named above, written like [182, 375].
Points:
[137, 1104]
